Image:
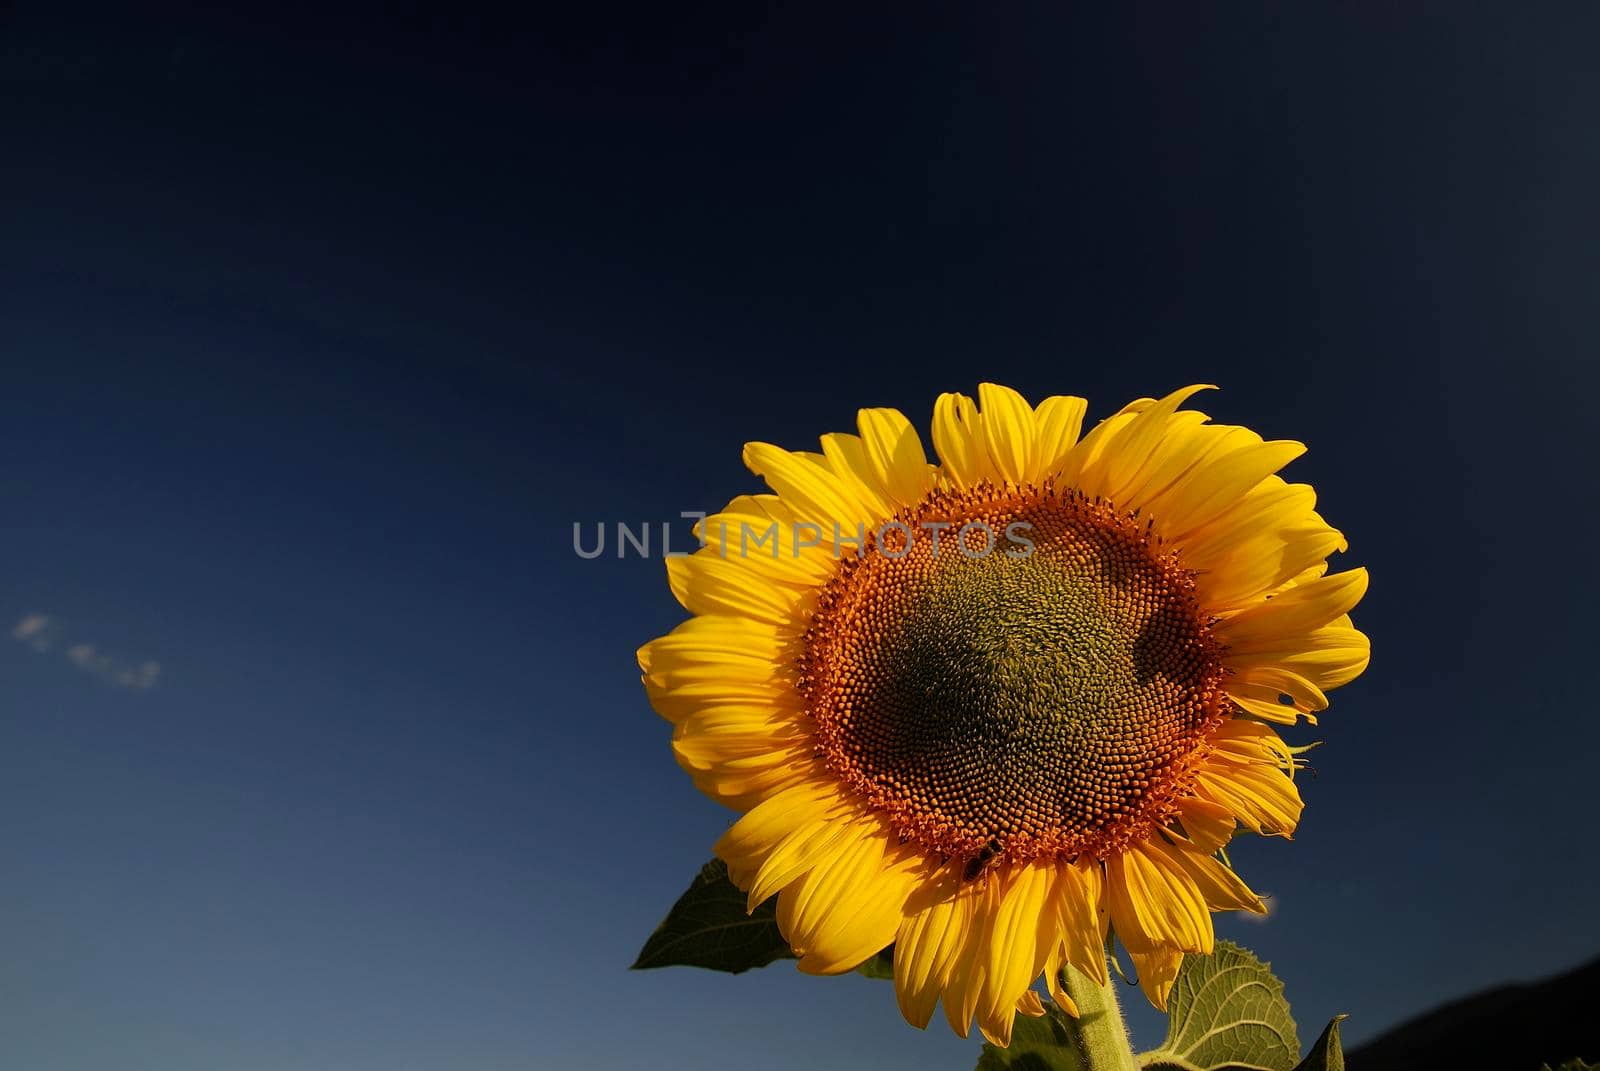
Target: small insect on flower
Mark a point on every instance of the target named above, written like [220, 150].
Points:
[986, 858]
[1084, 727]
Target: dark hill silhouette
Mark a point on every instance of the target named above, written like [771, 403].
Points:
[1508, 1028]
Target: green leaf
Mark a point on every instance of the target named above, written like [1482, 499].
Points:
[1326, 1053]
[1227, 1012]
[1574, 1064]
[1049, 1043]
[709, 927]
[881, 965]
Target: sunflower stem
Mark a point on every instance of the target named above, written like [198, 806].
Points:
[1102, 1035]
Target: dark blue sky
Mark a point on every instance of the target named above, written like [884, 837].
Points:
[318, 334]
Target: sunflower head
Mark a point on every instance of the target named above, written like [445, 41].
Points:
[988, 709]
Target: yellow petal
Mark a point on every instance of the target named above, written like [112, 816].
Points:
[1136, 443]
[849, 907]
[1264, 703]
[1154, 901]
[1221, 887]
[715, 639]
[1328, 657]
[675, 698]
[1263, 798]
[1059, 420]
[1271, 507]
[746, 783]
[955, 435]
[1084, 460]
[847, 459]
[895, 455]
[965, 979]
[760, 531]
[1208, 824]
[1157, 970]
[1008, 431]
[1245, 741]
[718, 735]
[1301, 609]
[1263, 562]
[1054, 964]
[1262, 687]
[1017, 942]
[803, 849]
[931, 941]
[1211, 489]
[717, 661]
[1082, 915]
[1188, 446]
[748, 842]
[815, 496]
[707, 584]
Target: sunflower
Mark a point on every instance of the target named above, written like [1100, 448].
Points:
[987, 710]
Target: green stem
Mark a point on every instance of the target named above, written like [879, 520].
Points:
[1102, 1035]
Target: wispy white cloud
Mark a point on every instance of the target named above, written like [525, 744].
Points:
[140, 677]
[40, 632]
[34, 630]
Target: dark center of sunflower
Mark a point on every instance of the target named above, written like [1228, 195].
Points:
[1036, 697]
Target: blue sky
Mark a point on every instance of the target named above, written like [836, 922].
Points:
[319, 335]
